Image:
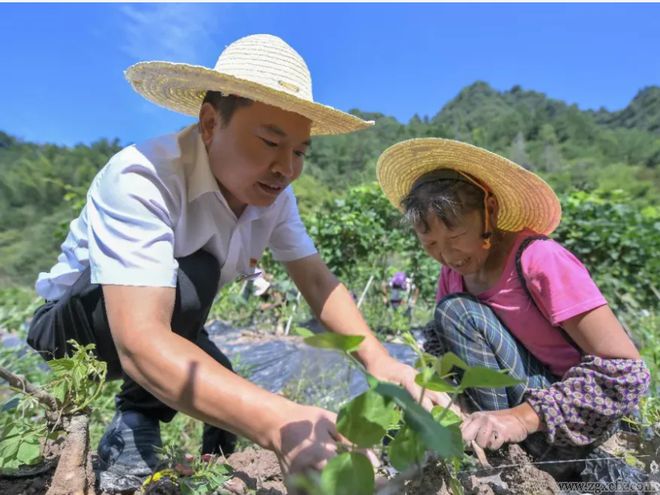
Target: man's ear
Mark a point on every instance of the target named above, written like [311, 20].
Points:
[208, 120]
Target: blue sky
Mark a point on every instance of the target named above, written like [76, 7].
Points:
[63, 64]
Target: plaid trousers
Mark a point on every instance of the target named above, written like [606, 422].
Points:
[472, 331]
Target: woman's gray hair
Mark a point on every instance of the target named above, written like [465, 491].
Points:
[444, 193]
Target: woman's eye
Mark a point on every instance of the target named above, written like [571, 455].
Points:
[272, 144]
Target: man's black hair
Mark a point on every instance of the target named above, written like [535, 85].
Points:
[225, 105]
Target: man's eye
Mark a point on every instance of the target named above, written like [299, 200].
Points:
[300, 154]
[269, 143]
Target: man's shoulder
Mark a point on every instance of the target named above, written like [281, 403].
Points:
[159, 157]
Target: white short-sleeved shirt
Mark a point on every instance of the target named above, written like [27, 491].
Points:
[158, 201]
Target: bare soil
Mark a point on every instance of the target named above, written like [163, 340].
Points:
[523, 479]
[257, 471]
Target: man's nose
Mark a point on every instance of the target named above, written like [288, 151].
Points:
[284, 163]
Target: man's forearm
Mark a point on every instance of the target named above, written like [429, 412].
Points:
[187, 379]
[340, 308]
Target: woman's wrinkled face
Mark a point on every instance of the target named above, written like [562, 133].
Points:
[459, 246]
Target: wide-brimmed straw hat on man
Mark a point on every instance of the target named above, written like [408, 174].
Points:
[259, 67]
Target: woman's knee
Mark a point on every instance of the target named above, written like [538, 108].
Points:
[462, 312]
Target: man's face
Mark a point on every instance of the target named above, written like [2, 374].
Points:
[258, 154]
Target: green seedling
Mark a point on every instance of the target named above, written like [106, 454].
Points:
[388, 411]
[27, 420]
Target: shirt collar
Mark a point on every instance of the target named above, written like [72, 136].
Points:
[200, 179]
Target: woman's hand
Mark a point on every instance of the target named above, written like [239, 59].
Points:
[492, 429]
[389, 369]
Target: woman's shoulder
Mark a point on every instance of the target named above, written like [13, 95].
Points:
[539, 255]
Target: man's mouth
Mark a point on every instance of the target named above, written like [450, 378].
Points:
[272, 189]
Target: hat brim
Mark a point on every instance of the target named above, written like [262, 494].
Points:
[182, 87]
[525, 200]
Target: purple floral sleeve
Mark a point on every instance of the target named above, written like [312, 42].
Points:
[583, 407]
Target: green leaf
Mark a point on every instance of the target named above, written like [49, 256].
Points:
[303, 332]
[19, 441]
[348, 474]
[365, 419]
[443, 440]
[407, 448]
[29, 451]
[61, 365]
[448, 418]
[429, 358]
[372, 381]
[480, 376]
[328, 340]
[444, 364]
[59, 392]
[8, 450]
[434, 383]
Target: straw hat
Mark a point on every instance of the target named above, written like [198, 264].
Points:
[260, 67]
[525, 200]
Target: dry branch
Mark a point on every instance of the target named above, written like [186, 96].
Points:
[26, 387]
[74, 474]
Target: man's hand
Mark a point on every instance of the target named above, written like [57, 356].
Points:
[492, 429]
[306, 438]
[389, 369]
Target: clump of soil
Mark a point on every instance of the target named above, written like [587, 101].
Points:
[512, 473]
[256, 471]
[431, 481]
[526, 478]
[29, 485]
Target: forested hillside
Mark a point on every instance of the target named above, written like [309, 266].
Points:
[41, 186]
[572, 148]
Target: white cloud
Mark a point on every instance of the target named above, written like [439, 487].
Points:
[173, 32]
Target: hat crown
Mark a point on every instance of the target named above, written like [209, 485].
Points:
[267, 60]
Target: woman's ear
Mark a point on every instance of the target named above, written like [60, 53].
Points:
[208, 120]
[493, 208]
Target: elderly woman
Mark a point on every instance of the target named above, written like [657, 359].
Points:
[511, 299]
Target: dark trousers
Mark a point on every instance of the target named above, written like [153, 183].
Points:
[80, 315]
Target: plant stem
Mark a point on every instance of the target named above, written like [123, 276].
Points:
[357, 363]
[444, 411]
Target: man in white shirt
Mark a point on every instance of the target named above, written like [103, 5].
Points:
[169, 221]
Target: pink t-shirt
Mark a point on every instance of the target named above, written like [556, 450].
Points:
[559, 283]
